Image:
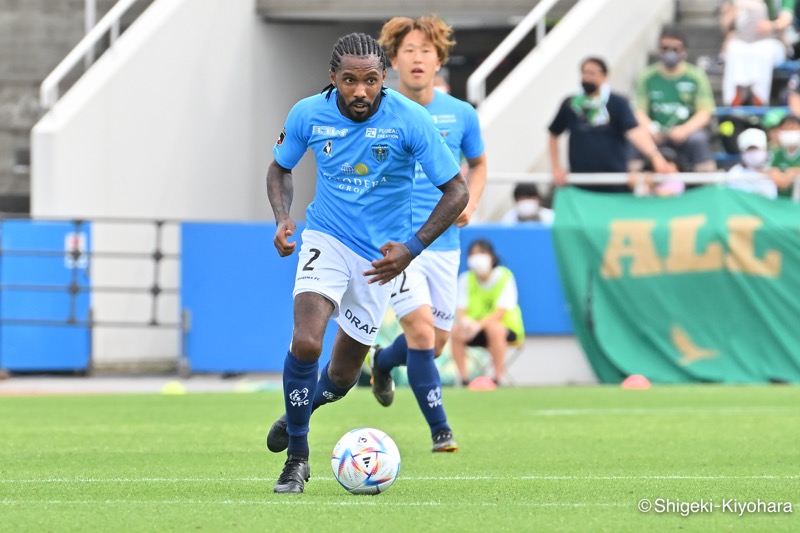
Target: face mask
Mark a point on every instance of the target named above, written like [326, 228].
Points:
[754, 158]
[527, 208]
[789, 138]
[481, 264]
[588, 87]
[671, 59]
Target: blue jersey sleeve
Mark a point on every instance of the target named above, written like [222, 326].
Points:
[429, 148]
[293, 140]
[472, 143]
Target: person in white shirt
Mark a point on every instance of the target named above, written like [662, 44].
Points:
[751, 174]
[528, 207]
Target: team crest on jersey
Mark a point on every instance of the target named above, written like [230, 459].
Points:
[445, 133]
[380, 152]
[328, 148]
[281, 137]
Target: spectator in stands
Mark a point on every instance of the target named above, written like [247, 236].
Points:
[754, 47]
[674, 103]
[488, 314]
[784, 161]
[600, 123]
[749, 175]
[528, 207]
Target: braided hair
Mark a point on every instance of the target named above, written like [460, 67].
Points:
[355, 44]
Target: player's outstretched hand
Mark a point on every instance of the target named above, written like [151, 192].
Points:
[282, 233]
[396, 258]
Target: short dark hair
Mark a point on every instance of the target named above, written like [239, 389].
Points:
[673, 32]
[597, 61]
[789, 119]
[523, 190]
[484, 246]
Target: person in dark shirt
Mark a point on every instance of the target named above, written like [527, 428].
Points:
[600, 124]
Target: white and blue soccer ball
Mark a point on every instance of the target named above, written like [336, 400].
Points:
[366, 461]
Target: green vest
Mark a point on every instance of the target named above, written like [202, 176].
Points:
[483, 302]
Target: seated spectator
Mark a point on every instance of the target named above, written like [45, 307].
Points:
[488, 314]
[643, 184]
[754, 48]
[600, 124]
[749, 175]
[528, 207]
[784, 161]
[675, 104]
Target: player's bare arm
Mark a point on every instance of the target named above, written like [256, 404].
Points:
[477, 182]
[280, 190]
[397, 256]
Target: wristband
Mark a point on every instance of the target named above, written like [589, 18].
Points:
[415, 246]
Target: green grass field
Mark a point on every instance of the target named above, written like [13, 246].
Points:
[543, 459]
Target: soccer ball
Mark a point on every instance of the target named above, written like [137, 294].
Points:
[365, 461]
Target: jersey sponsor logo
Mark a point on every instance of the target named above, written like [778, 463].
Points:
[298, 397]
[328, 148]
[328, 130]
[359, 323]
[387, 133]
[281, 137]
[444, 119]
[371, 133]
[444, 315]
[435, 397]
[361, 169]
[356, 185]
[380, 152]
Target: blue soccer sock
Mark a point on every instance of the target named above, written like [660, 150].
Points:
[393, 355]
[327, 391]
[299, 385]
[423, 376]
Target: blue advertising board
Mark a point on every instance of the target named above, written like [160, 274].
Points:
[43, 324]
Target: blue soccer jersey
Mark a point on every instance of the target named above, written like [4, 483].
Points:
[458, 123]
[365, 170]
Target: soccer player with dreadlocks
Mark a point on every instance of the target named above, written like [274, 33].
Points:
[358, 238]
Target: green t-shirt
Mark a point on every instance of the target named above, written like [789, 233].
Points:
[671, 101]
[774, 7]
[783, 160]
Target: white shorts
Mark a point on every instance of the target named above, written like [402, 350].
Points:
[430, 279]
[328, 267]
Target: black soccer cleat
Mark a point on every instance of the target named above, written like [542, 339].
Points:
[382, 382]
[278, 437]
[443, 442]
[295, 473]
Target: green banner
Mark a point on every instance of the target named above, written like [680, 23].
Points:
[700, 287]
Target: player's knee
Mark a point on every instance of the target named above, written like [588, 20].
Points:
[305, 347]
[419, 331]
[343, 378]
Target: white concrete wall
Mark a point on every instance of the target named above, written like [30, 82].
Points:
[176, 121]
[515, 116]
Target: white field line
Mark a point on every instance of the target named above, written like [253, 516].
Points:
[730, 411]
[156, 480]
[292, 501]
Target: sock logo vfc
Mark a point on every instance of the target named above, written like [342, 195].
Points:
[298, 397]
